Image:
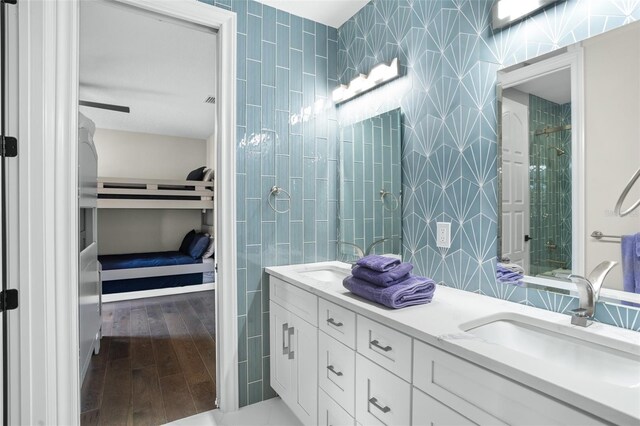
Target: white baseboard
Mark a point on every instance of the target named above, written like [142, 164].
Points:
[132, 295]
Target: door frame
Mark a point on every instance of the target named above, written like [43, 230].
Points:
[47, 371]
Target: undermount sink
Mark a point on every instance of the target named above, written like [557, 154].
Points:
[574, 350]
[327, 274]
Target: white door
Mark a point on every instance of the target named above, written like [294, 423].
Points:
[304, 356]
[515, 182]
[280, 347]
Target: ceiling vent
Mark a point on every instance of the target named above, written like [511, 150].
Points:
[210, 100]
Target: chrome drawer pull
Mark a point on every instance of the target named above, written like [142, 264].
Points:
[333, 322]
[291, 352]
[379, 346]
[333, 370]
[374, 402]
[285, 348]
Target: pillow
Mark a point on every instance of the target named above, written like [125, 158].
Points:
[186, 242]
[208, 175]
[196, 174]
[211, 249]
[198, 246]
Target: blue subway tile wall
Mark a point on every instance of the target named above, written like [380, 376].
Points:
[286, 136]
[449, 58]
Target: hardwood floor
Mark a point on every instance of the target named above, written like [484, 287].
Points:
[156, 362]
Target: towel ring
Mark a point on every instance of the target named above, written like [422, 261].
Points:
[624, 194]
[394, 200]
[275, 190]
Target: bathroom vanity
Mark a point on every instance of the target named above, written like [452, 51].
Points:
[337, 359]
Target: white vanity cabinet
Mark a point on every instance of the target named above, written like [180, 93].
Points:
[334, 365]
[294, 350]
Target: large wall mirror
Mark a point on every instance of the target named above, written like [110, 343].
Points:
[370, 211]
[569, 143]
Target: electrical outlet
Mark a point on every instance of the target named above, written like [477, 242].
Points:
[443, 235]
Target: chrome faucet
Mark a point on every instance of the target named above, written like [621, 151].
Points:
[375, 243]
[589, 292]
[357, 248]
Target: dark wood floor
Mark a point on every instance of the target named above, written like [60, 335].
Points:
[156, 362]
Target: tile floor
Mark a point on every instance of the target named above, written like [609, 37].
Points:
[271, 412]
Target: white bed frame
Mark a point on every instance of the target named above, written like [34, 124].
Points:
[207, 266]
[182, 190]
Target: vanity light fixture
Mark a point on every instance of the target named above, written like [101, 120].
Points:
[380, 74]
[506, 12]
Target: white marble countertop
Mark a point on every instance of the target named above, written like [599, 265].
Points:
[439, 324]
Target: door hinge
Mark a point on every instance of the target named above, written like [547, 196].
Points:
[8, 300]
[9, 146]
[216, 268]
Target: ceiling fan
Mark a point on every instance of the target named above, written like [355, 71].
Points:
[110, 107]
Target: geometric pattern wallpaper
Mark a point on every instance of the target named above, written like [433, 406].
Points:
[449, 58]
[286, 136]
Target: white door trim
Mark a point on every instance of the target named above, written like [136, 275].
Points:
[48, 315]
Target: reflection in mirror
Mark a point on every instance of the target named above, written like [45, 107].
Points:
[568, 126]
[370, 212]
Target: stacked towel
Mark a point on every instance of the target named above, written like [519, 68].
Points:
[631, 263]
[510, 273]
[389, 282]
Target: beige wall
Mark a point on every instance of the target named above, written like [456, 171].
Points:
[139, 155]
[612, 139]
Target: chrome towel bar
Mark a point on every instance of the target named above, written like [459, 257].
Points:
[599, 235]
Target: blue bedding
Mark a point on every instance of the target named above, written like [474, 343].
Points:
[145, 260]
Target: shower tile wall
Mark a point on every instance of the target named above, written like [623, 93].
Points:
[449, 58]
[286, 136]
[550, 187]
[370, 161]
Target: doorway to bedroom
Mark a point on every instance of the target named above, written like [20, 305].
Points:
[148, 322]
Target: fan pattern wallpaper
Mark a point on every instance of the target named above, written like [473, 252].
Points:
[450, 58]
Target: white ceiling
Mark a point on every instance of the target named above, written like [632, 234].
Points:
[329, 12]
[554, 87]
[163, 70]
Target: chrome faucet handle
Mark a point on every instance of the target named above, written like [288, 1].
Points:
[589, 292]
[586, 294]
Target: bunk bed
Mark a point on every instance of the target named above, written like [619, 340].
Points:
[129, 276]
[89, 286]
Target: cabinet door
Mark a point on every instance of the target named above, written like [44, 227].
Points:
[304, 356]
[280, 341]
[330, 413]
[428, 411]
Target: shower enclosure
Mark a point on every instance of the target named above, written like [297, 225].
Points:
[550, 187]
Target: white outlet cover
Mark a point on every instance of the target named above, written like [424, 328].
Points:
[443, 234]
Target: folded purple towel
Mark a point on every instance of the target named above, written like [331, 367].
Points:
[630, 245]
[383, 279]
[378, 263]
[414, 291]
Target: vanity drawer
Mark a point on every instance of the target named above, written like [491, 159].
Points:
[336, 371]
[429, 411]
[300, 302]
[337, 322]
[381, 397]
[386, 346]
[486, 397]
[330, 413]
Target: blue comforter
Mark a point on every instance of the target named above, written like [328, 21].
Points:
[145, 260]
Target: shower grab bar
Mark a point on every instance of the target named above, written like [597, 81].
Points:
[599, 235]
[624, 194]
[547, 130]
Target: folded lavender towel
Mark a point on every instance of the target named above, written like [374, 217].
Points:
[630, 245]
[383, 279]
[413, 291]
[378, 263]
